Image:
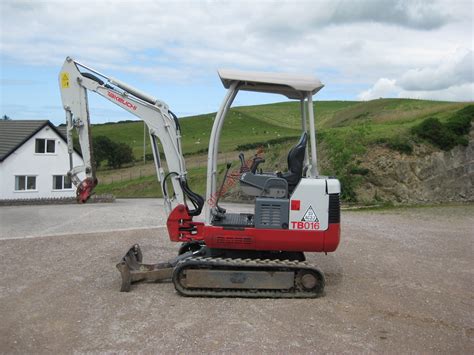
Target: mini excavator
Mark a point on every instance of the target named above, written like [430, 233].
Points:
[224, 254]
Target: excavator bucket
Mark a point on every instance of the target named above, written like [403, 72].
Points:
[132, 269]
[85, 189]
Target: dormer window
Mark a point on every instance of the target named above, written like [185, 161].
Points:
[45, 145]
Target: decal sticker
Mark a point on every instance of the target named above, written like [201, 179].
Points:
[65, 80]
[305, 225]
[122, 101]
[310, 216]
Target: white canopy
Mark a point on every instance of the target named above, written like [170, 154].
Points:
[293, 86]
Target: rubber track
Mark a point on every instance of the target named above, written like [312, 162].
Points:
[266, 265]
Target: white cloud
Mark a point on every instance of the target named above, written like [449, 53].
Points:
[345, 42]
[464, 92]
[453, 71]
[451, 80]
[407, 13]
[382, 88]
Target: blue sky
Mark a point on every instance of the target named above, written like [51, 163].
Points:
[360, 49]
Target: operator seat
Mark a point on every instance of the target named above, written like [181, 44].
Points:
[295, 163]
[276, 185]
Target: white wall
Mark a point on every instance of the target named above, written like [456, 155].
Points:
[24, 161]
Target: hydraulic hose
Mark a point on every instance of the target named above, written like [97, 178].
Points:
[196, 199]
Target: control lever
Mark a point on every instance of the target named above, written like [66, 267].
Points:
[220, 210]
[243, 165]
[256, 162]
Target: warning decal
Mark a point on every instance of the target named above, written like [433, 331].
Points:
[64, 80]
[310, 216]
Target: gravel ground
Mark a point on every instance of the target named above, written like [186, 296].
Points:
[401, 281]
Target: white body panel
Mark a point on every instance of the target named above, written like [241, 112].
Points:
[25, 162]
[314, 203]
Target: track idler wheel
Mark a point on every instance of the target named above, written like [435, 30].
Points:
[310, 281]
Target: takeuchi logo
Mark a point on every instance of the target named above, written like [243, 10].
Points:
[121, 100]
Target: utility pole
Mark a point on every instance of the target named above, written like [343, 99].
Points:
[144, 143]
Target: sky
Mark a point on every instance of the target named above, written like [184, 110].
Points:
[360, 50]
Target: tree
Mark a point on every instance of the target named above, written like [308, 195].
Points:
[103, 148]
[6, 118]
[121, 154]
[115, 153]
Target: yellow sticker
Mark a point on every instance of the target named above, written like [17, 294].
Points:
[65, 80]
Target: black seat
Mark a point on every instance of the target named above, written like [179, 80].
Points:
[275, 185]
[296, 163]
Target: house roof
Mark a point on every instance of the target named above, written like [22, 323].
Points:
[14, 133]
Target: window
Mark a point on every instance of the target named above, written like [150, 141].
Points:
[61, 182]
[23, 183]
[45, 145]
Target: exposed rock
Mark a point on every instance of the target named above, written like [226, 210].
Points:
[425, 176]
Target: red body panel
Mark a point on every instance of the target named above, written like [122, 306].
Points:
[180, 225]
[272, 239]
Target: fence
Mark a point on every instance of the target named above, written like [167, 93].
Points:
[139, 171]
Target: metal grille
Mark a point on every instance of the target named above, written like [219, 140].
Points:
[270, 215]
[334, 208]
[225, 240]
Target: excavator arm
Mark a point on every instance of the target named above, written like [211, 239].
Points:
[75, 80]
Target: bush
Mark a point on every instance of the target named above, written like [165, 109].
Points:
[149, 157]
[400, 144]
[450, 134]
[432, 130]
[343, 149]
[460, 122]
[357, 170]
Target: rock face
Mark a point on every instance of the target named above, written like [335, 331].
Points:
[427, 175]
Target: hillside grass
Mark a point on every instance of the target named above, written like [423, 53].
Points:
[345, 130]
[251, 124]
[239, 127]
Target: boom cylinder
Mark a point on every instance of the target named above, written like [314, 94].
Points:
[134, 91]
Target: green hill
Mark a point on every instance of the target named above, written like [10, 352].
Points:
[346, 130]
[239, 127]
[250, 124]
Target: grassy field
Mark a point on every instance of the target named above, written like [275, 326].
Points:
[261, 123]
[239, 127]
[345, 128]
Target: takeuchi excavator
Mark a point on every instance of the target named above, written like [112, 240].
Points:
[224, 254]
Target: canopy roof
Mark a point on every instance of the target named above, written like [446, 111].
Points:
[293, 86]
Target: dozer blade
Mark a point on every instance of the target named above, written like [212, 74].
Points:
[132, 269]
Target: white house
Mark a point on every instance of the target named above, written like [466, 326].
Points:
[34, 161]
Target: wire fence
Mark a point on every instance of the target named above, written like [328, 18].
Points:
[141, 171]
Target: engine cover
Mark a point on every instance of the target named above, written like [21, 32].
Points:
[309, 204]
